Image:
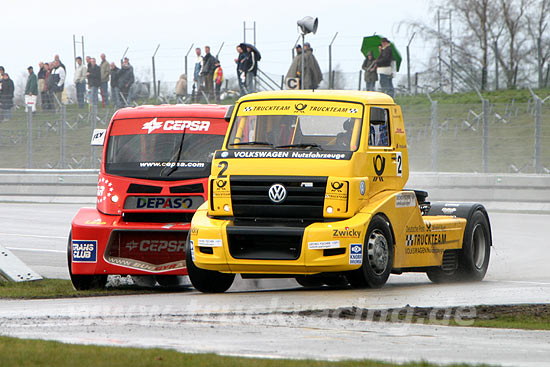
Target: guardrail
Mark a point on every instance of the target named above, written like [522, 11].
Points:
[499, 192]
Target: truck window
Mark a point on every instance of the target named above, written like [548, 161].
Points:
[379, 127]
[337, 133]
[160, 156]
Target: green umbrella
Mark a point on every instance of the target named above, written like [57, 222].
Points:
[371, 44]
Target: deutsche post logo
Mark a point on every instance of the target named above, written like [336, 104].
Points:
[337, 185]
[221, 183]
[300, 106]
[379, 163]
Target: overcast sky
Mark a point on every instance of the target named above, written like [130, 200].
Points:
[37, 30]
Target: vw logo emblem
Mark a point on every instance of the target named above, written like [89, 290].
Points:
[277, 193]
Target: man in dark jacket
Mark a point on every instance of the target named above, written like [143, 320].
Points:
[384, 67]
[241, 68]
[6, 97]
[94, 80]
[207, 71]
[369, 67]
[126, 80]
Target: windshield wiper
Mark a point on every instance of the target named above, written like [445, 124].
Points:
[175, 158]
[252, 143]
[301, 145]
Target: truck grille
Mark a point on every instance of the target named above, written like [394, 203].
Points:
[305, 196]
[265, 243]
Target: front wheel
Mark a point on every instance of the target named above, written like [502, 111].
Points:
[473, 259]
[377, 256]
[206, 281]
[82, 282]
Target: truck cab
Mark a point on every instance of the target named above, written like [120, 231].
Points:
[310, 184]
[153, 177]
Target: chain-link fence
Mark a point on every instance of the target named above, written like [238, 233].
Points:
[472, 137]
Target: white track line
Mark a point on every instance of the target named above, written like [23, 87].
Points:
[35, 250]
[518, 282]
[31, 235]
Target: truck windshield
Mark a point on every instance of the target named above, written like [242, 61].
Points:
[303, 131]
[161, 156]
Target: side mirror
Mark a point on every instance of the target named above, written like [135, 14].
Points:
[229, 112]
[98, 137]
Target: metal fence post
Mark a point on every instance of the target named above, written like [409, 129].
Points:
[29, 137]
[538, 136]
[485, 136]
[62, 133]
[435, 133]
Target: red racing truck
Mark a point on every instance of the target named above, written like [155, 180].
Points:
[153, 177]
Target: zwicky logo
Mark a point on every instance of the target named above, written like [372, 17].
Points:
[277, 193]
[337, 185]
[379, 161]
[152, 125]
[300, 107]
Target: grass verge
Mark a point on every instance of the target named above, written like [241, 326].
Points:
[22, 353]
[59, 288]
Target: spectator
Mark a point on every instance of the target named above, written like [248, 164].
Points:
[105, 71]
[31, 89]
[47, 98]
[115, 91]
[207, 71]
[126, 80]
[312, 72]
[80, 74]
[6, 96]
[94, 80]
[371, 76]
[56, 58]
[218, 79]
[181, 88]
[2, 71]
[56, 81]
[197, 70]
[241, 69]
[41, 81]
[384, 67]
[252, 68]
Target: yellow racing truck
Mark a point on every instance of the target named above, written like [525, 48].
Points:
[310, 185]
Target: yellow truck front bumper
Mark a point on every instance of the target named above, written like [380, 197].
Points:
[221, 245]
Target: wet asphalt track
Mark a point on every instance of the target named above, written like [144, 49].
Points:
[241, 322]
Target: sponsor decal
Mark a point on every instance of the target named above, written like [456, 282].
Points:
[321, 245]
[401, 146]
[311, 107]
[405, 200]
[300, 107]
[362, 187]
[295, 154]
[192, 250]
[97, 221]
[163, 202]
[206, 242]
[84, 251]
[399, 131]
[141, 265]
[156, 246]
[428, 226]
[172, 164]
[98, 137]
[221, 190]
[424, 239]
[453, 205]
[448, 211]
[337, 190]
[105, 189]
[356, 254]
[194, 231]
[175, 125]
[379, 164]
[346, 233]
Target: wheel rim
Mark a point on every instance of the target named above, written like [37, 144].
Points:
[377, 252]
[479, 246]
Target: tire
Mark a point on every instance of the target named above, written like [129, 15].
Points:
[83, 282]
[377, 256]
[308, 281]
[168, 280]
[206, 281]
[473, 258]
